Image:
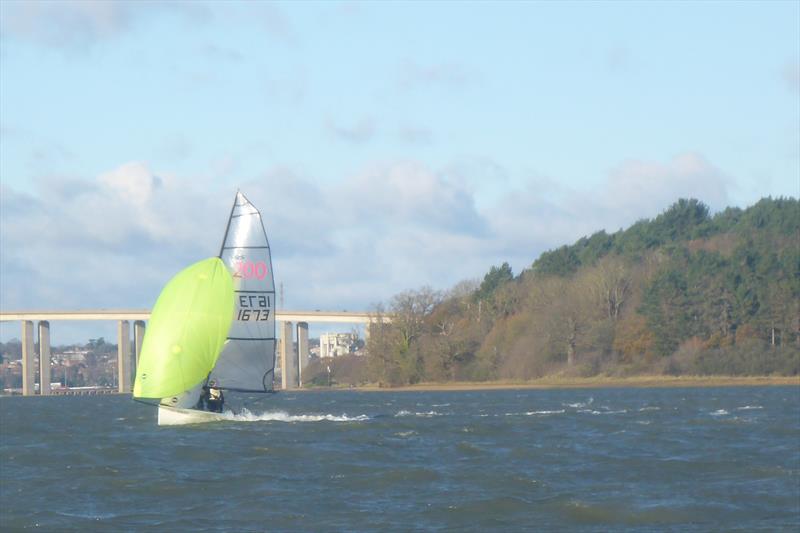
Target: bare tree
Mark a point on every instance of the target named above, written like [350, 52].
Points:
[610, 283]
[394, 348]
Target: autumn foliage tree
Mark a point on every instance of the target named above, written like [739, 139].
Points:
[683, 292]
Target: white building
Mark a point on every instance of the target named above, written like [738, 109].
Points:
[70, 356]
[337, 344]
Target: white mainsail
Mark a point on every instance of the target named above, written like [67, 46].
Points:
[247, 361]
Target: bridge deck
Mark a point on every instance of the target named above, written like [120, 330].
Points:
[342, 317]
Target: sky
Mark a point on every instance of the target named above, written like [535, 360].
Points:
[388, 145]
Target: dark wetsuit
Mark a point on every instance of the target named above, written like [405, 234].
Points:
[215, 400]
[202, 402]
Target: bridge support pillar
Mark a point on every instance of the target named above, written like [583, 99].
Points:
[288, 358]
[124, 356]
[44, 358]
[28, 369]
[138, 337]
[302, 350]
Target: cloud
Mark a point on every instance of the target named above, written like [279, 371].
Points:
[291, 89]
[175, 147]
[218, 53]
[272, 20]
[791, 75]
[114, 239]
[359, 132]
[447, 75]
[133, 182]
[415, 135]
[98, 242]
[548, 214]
[81, 23]
[411, 194]
[644, 188]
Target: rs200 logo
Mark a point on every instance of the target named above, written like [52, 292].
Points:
[250, 269]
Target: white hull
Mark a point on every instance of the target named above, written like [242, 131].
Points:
[175, 416]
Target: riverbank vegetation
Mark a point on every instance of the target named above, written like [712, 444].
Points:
[684, 293]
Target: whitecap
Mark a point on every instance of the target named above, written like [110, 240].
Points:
[409, 413]
[92, 516]
[557, 412]
[282, 416]
[578, 405]
[649, 408]
[594, 412]
[720, 412]
[748, 407]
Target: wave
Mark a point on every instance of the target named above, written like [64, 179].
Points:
[429, 414]
[579, 405]
[748, 407]
[533, 413]
[720, 412]
[606, 412]
[283, 416]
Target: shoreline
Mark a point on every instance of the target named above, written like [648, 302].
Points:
[584, 383]
[549, 383]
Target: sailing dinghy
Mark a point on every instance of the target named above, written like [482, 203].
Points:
[213, 325]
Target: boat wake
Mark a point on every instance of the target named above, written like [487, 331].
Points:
[282, 416]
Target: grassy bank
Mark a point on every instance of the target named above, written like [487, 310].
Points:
[598, 382]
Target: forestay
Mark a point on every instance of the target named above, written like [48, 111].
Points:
[247, 361]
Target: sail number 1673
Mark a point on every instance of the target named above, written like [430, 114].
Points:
[253, 307]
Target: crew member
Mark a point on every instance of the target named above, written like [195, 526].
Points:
[215, 399]
[202, 402]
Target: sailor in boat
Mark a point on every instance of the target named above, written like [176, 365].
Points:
[202, 402]
[214, 399]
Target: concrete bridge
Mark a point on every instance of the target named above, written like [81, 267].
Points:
[292, 362]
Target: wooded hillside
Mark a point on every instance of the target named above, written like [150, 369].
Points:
[683, 293]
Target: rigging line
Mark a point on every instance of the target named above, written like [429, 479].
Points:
[260, 292]
[228, 227]
[245, 215]
[238, 365]
[249, 202]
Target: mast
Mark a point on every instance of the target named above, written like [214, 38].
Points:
[228, 226]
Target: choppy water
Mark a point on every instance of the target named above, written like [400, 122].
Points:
[589, 460]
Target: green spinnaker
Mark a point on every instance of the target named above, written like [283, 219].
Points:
[187, 330]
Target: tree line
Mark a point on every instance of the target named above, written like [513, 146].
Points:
[682, 293]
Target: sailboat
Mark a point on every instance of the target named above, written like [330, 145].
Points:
[213, 325]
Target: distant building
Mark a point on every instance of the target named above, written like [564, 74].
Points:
[71, 356]
[337, 344]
